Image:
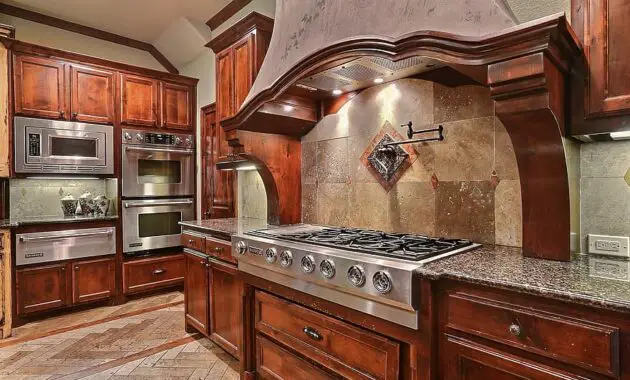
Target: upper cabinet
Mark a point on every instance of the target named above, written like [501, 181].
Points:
[40, 87]
[92, 93]
[140, 100]
[176, 106]
[239, 51]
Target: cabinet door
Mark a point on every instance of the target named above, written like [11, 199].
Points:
[40, 87]
[41, 288]
[606, 44]
[226, 300]
[465, 360]
[93, 280]
[92, 95]
[243, 69]
[225, 84]
[140, 103]
[196, 292]
[176, 103]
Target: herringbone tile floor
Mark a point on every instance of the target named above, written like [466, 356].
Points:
[151, 345]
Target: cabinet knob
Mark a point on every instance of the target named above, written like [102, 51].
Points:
[76, 267]
[218, 249]
[62, 114]
[515, 330]
[63, 269]
[312, 333]
[190, 241]
[74, 115]
[202, 262]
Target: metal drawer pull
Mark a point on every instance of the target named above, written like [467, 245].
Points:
[515, 330]
[218, 249]
[22, 238]
[190, 241]
[159, 271]
[153, 204]
[312, 333]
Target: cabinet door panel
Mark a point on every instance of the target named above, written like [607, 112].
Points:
[39, 85]
[226, 302]
[225, 84]
[93, 280]
[274, 362]
[217, 185]
[196, 292]
[139, 100]
[176, 106]
[41, 288]
[243, 69]
[92, 95]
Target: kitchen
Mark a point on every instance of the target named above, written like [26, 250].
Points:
[310, 192]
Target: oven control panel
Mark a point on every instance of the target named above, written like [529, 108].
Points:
[160, 139]
[34, 144]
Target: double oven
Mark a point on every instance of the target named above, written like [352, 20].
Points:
[158, 184]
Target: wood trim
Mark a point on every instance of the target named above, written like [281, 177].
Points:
[226, 12]
[253, 21]
[7, 30]
[5, 284]
[87, 31]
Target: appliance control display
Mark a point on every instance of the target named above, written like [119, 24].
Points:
[159, 139]
[34, 144]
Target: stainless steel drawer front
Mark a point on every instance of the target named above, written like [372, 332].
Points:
[43, 247]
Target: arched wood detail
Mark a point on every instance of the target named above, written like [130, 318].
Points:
[527, 69]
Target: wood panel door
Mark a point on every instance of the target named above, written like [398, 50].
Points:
[226, 303]
[217, 185]
[42, 288]
[225, 84]
[140, 100]
[605, 36]
[93, 280]
[176, 106]
[40, 87]
[196, 292]
[92, 95]
[243, 69]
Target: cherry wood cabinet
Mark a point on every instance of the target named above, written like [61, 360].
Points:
[225, 84]
[196, 291]
[226, 303]
[153, 273]
[40, 87]
[93, 280]
[42, 288]
[140, 102]
[176, 105]
[5, 112]
[273, 362]
[92, 94]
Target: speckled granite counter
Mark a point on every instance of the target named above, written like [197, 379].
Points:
[575, 281]
[225, 227]
[11, 223]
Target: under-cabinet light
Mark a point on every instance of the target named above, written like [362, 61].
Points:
[620, 135]
[337, 92]
[287, 108]
[378, 80]
[249, 167]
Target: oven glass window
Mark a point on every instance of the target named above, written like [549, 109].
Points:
[73, 147]
[157, 171]
[159, 224]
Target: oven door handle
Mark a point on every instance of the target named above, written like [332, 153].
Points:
[176, 151]
[25, 239]
[152, 204]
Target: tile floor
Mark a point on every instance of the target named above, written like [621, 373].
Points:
[149, 345]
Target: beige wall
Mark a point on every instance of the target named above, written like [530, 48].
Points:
[44, 35]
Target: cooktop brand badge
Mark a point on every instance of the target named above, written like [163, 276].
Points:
[33, 255]
[255, 250]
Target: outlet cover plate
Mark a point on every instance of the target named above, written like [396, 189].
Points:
[609, 245]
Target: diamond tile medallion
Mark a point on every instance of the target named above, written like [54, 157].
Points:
[388, 164]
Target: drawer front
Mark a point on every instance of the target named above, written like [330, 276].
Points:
[153, 273]
[219, 249]
[194, 242]
[347, 350]
[584, 344]
[274, 362]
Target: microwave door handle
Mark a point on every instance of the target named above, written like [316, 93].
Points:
[165, 203]
[176, 151]
[37, 238]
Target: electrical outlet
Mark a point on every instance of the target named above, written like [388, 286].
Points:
[608, 245]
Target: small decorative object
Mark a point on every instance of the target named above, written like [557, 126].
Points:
[87, 203]
[101, 204]
[68, 205]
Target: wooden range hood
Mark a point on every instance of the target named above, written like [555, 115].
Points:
[527, 67]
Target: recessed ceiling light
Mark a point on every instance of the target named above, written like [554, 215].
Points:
[287, 108]
[378, 80]
[337, 92]
[620, 135]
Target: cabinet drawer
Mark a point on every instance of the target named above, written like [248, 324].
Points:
[584, 344]
[153, 273]
[274, 362]
[194, 242]
[220, 250]
[344, 349]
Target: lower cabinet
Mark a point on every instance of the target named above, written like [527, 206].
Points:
[153, 273]
[226, 307]
[274, 362]
[59, 285]
[196, 291]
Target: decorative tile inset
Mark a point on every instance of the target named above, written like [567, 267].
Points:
[387, 165]
[627, 177]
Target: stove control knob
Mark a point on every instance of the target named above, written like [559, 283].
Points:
[286, 259]
[356, 276]
[382, 282]
[127, 136]
[178, 141]
[188, 141]
[139, 137]
[327, 267]
[308, 264]
[241, 247]
[271, 255]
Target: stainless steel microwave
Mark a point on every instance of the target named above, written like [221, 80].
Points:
[63, 147]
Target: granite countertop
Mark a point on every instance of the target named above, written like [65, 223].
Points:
[16, 222]
[574, 281]
[226, 226]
